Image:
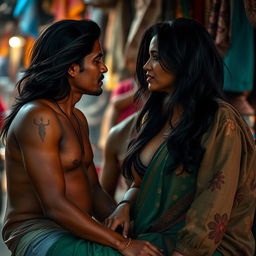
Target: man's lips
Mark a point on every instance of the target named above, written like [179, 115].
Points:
[100, 80]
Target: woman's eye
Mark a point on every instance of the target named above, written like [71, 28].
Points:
[156, 57]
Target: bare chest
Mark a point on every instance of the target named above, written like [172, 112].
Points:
[75, 151]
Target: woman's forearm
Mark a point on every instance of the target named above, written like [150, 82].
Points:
[130, 196]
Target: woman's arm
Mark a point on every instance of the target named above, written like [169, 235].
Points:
[222, 171]
[121, 216]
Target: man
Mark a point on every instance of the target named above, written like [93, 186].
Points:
[53, 189]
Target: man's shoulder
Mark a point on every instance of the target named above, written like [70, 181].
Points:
[35, 108]
[34, 113]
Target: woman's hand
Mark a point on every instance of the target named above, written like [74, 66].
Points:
[120, 218]
[140, 247]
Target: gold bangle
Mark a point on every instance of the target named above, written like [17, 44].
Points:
[128, 243]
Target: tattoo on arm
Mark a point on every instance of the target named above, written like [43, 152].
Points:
[41, 127]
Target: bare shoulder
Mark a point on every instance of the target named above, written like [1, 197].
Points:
[124, 127]
[36, 116]
[120, 134]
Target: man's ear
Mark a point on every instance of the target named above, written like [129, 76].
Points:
[73, 70]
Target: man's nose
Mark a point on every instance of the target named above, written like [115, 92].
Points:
[104, 68]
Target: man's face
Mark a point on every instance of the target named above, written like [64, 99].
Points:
[89, 81]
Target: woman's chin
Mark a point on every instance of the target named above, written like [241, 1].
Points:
[150, 87]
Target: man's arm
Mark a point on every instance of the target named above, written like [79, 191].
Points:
[103, 204]
[39, 135]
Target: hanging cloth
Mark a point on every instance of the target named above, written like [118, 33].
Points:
[198, 10]
[27, 12]
[67, 9]
[250, 9]
[219, 24]
[239, 60]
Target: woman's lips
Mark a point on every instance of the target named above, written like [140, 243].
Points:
[149, 78]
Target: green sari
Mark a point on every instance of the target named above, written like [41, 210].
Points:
[163, 202]
[70, 245]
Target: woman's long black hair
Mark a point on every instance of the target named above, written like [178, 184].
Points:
[60, 45]
[185, 48]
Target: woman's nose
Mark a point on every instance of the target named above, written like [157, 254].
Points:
[147, 65]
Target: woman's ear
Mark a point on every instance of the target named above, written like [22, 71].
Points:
[73, 70]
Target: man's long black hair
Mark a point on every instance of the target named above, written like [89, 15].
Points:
[185, 48]
[60, 45]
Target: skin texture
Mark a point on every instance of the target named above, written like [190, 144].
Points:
[49, 161]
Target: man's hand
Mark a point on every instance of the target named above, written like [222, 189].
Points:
[142, 248]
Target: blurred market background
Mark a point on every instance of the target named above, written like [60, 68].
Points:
[230, 22]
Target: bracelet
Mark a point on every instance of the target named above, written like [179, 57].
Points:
[124, 202]
[128, 243]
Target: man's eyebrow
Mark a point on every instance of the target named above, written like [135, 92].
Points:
[153, 51]
[98, 55]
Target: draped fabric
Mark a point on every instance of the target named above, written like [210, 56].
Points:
[250, 9]
[69, 245]
[67, 9]
[239, 60]
[208, 212]
[27, 12]
[219, 24]
[163, 201]
[147, 13]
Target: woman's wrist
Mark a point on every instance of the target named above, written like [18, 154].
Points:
[128, 200]
[124, 202]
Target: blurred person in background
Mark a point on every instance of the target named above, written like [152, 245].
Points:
[114, 152]
[116, 132]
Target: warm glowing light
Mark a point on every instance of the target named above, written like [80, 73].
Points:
[16, 42]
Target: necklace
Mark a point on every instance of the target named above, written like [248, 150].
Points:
[78, 133]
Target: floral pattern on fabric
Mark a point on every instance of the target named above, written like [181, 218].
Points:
[230, 127]
[238, 197]
[253, 185]
[222, 226]
[218, 227]
[217, 181]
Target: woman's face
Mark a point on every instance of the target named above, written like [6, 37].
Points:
[157, 78]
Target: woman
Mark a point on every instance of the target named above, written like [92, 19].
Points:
[192, 161]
